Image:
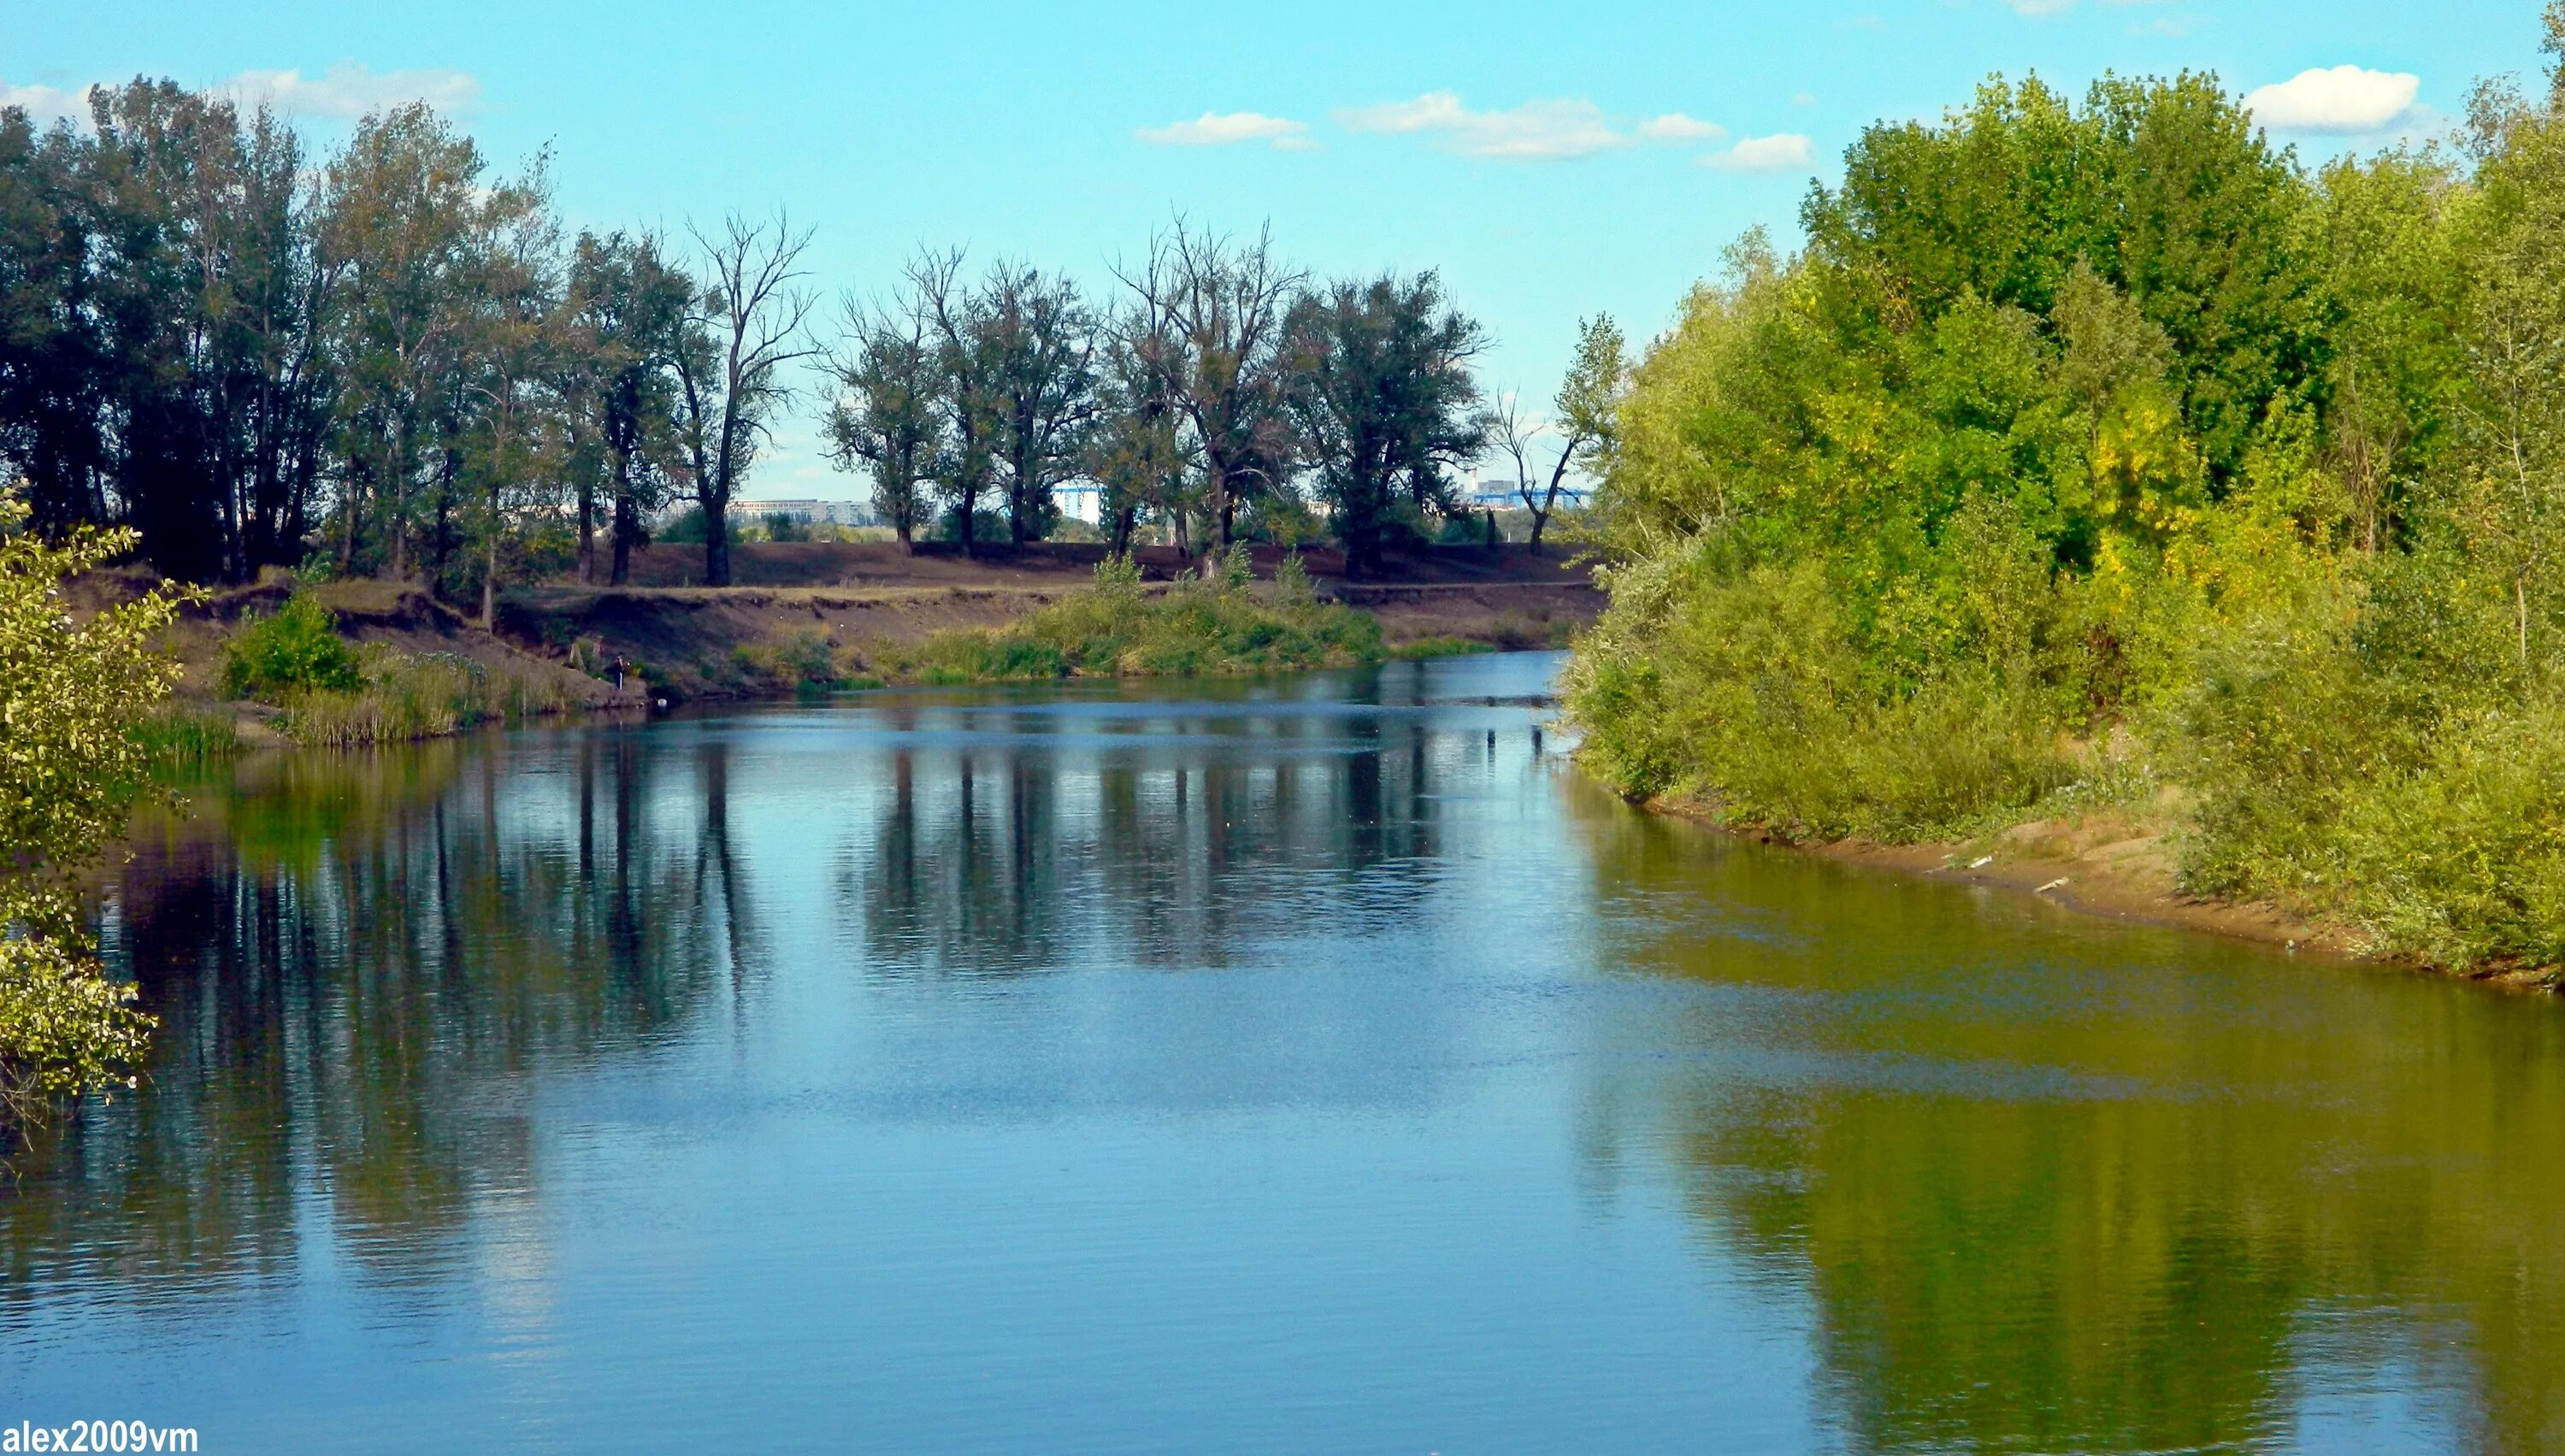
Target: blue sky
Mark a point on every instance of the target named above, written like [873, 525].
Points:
[1552, 161]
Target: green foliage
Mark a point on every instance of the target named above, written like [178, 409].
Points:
[1423, 648]
[401, 697]
[296, 650]
[2100, 446]
[801, 661]
[1291, 585]
[179, 735]
[1383, 401]
[72, 698]
[1116, 629]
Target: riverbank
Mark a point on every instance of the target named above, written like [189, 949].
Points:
[2115, 864]
[818, 616]
[870, 606]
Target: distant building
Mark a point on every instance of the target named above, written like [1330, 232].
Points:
[1080, 500]
[806, 513]
[1502, 495]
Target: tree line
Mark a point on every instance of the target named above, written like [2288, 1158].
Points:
[2104, 453]
[390, 358]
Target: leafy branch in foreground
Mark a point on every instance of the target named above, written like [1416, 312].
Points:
[74, 696]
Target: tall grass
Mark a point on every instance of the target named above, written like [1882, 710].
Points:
[181, 735]
[407, 696]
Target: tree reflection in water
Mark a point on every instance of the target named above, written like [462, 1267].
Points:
[2000, 1178]
[360, 963]
[2057, 1185]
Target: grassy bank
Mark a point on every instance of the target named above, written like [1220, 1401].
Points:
[2234, 535]
[327, 691]
[1117, 628]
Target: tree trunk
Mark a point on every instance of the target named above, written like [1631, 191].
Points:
[490, 579]
[624, 531]
[587, 533]
[717, 541]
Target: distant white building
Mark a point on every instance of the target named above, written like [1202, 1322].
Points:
[1080, 500]
[806, 513]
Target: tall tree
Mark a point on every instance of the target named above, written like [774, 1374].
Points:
[2508, 492]
[1042, 337]
[512, 439]
[1585, 414]
[1381, 390]
[968, 360]
[405, 217]
[631, 309]
[1139, 451]
[747, 331]
[1223, 302]
[884, 418]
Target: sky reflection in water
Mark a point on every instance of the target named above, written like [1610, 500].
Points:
[1312, 1065]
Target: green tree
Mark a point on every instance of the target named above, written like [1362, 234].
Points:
[1585, 414]
[884, 418]
[1218, 308]
[2384, 234]
[1382, 394]
[405, 216]
[71, 696]
[1041, 334]
[2509, 495]
[969, 360]
[1139, 450]
[630, 308]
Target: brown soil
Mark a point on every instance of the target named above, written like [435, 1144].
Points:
[2114, 864]
[863, 594]
[854, 594]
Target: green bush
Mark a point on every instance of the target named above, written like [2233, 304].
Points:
[297, 650]
[1119, 629]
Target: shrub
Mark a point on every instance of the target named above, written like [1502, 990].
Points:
[297, 650]
[1116, 629]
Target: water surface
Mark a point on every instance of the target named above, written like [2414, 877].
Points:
[1302, 1066]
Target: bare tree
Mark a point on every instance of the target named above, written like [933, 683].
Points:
[747, 327]
[1511, 433]
[1224, 304]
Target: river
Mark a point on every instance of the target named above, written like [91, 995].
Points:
[1312, 1065]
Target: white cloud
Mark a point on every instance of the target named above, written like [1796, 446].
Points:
[1762, 155]
[350, 90]
[1675, 127]
[1229, 129]
[44, 103]
[1535, 130]
[2345, 100]
[2038, 7]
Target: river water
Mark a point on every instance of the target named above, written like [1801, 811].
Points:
[1314, 1065]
